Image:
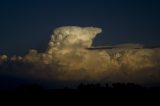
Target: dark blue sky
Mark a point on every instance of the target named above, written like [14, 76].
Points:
[28, 24]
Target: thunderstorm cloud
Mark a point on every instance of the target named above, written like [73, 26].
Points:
[68, 58]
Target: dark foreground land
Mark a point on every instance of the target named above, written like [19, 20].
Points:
[91, 94]
[117, 90]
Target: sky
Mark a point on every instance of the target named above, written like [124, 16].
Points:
[26, 24]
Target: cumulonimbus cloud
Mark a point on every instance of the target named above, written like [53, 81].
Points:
[67, 58]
